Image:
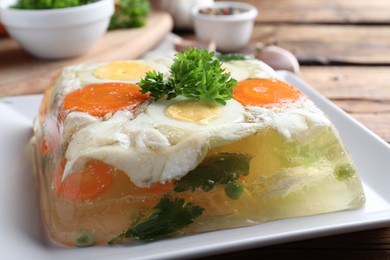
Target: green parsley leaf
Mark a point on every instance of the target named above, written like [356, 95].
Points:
[224, 168]
[195, 74]
[169, 216]
[154, 83]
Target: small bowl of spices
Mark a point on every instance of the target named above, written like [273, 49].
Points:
[230, 24]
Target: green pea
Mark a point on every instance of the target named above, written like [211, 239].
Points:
[344, 171]
[234, 190]
[84, 238]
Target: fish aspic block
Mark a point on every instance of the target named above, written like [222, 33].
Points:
[149, 149]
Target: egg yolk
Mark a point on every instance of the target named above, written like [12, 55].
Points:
[123, 70]
[194, 111]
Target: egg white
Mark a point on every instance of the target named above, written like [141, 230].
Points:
[145, 151]
[297, 122]
[136, 148]
[232, 112]
[245, 69]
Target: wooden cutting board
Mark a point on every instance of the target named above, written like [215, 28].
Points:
[22, 74]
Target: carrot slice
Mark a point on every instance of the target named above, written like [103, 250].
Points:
[100, 99]
[88, 183]
[265, 92]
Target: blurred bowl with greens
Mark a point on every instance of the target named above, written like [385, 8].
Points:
[56, 29]
[130, 14]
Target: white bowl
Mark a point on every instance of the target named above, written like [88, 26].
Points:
[180, 10]
[231, 32]
[58, 33]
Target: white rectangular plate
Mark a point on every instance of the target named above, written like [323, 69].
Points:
[22, 235]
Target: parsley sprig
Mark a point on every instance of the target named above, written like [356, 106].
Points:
[168, 216]
[195, 74]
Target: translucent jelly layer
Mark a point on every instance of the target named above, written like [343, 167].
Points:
[260, 178]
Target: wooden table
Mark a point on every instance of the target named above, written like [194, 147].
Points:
[344, 51]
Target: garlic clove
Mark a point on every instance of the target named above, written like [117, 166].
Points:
[278, 58]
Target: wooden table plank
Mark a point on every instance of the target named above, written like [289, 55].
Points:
[350, 82]
[363, 92]
[326, 44]
[322, 11]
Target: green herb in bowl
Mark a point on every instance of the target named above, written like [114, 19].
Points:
[60, 31]
[49, 4]
[130, 14]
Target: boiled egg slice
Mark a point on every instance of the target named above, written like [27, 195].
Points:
[180, 118]
[193, 114]
[130, 71]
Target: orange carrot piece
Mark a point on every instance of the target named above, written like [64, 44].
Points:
[88, 183]
[100, 99]
[265, 92]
